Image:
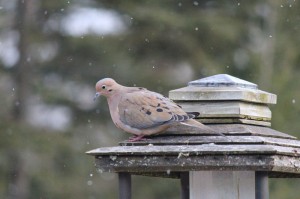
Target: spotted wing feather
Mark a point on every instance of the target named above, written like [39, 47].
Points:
[144, 109]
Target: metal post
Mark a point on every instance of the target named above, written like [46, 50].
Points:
[261, 185]
[185, 185]
[124, 186]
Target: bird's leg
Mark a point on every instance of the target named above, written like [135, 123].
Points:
[136, 138]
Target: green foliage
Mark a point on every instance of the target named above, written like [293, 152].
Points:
[165, 44]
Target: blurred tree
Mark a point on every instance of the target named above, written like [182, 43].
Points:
[21, 70]
[51, 56]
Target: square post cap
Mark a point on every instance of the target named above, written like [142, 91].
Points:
[222, 87]
[226, 99]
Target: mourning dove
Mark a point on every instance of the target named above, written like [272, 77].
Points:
[142, 112]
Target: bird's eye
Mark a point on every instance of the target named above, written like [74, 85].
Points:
[103, 87]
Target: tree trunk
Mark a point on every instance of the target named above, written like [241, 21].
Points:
[22, 70]
[18, 186]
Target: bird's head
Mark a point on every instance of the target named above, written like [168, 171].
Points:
[106, 87]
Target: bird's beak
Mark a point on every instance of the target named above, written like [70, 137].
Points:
[96, 96]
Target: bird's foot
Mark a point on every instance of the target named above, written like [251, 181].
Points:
[137, 138]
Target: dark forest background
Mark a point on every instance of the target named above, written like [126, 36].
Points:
[53, 52]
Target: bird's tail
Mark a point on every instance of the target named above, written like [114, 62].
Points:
[199, 127]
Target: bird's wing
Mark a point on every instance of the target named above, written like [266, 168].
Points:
[144, 109]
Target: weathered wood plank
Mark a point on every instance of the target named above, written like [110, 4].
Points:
[195, 139]
[219, 140]
[228, 109]
[165, 174]
[276, 165]
[230, 129]
[281, 142]
[234, 121]
[167, 164]
[194, 150]
[249, 129]
[193, 93]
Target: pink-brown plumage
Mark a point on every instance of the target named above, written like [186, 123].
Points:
[140, 111]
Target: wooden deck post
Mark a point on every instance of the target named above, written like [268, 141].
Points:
[222, 184]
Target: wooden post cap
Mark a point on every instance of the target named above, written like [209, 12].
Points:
[225, 99]
[222, 87]
[222, 80]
